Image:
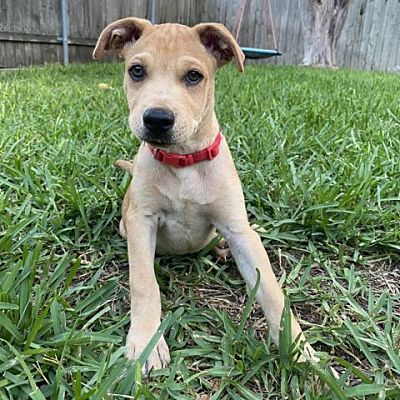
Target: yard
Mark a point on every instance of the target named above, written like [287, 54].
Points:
[318, 155]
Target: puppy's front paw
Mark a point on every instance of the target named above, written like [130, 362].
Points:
[158, 358]
[308, 354]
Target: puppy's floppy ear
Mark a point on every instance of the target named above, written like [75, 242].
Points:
[118, 33]
[220, 43]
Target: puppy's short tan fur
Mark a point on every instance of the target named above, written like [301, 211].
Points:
[177, 211]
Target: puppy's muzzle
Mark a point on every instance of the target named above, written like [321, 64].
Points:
[158, 124]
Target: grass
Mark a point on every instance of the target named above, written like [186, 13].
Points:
[318, 155]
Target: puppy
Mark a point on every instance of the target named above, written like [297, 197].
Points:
[185, 185]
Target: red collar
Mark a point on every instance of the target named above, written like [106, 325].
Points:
[185, 160]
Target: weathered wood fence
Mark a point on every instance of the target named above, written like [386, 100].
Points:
[30, 30]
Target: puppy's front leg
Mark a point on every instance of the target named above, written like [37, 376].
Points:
[144, 291]
[249, 253]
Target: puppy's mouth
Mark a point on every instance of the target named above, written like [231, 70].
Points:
[157, 140]
[160, 142]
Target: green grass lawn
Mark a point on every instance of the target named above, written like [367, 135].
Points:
[318, 153]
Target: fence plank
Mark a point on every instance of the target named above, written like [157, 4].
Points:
[370, 37]
[392, 47]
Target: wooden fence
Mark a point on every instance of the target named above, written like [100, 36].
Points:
[30, 30]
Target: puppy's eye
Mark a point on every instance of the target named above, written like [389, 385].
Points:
[193, 77]
[137, 72]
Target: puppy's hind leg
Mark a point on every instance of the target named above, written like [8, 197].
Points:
[221, 250]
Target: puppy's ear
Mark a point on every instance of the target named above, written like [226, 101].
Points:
[220, 43]
[118, 33]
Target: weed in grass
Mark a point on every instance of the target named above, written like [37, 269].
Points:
[317, 152]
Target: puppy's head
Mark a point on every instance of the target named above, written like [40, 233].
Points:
[169, 74]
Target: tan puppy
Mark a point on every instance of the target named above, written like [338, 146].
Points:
[169, 84]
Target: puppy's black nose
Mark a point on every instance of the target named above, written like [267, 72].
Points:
[158, 120]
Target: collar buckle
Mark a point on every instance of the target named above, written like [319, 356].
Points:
[212, 153]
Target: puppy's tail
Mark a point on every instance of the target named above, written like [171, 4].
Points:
[124, 164]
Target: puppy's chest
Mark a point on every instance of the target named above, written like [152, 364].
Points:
[187, 189]
[185, 199]
[181, 215]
